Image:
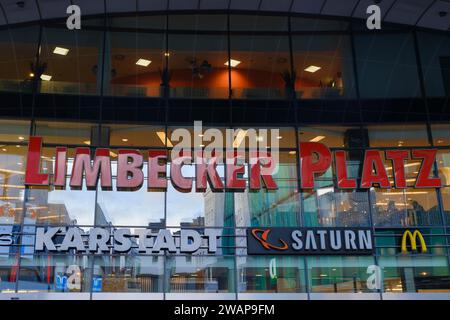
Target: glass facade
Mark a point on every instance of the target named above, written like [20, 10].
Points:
[129, 82]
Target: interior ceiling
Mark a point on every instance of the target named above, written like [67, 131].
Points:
[433, 14]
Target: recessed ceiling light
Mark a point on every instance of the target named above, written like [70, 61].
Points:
[167, 54]
[19, 163]
[143, 62]
[17, 145]
[312, 69]
[292, 152]
[201, 135]
[21, 138]
[232, 62]
[201, 145]
[46, 77]
[31, 74]
[440, 141]
[4, 149]
[61, 51]
[87, 142]
[317, 139]
[279, 137]
[124, 139]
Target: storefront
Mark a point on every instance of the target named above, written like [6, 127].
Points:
[368, 217]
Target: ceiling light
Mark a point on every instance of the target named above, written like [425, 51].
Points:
[317, 139]
[166, 54]
[312, 69]
[279, 137]
[46, 77]
[21, 138]
[162, 136]
[17, 145]
[440, 141]
[4, 149]
[125, 140]
[292, 152]
[200, 135]
[61, 51]
[232, 62]
[143, 62]
[31, 74]
[87, 142]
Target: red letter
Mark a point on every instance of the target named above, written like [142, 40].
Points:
[129, 170]
[204, 172]
[102, 164]
[256, 175]
[372, 159]
[155, 170]
[423, 178]
[308, 167]
[179, 182]
[32, 175]
[233, 172]
[341, 169]
[60, 167]
[398, 164]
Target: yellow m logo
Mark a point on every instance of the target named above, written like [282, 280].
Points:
[412, 238]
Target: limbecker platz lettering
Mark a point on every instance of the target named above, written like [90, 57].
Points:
[315, 159]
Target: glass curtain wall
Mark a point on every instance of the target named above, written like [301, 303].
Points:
[215, 51]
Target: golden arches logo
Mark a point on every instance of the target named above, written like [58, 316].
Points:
[412, 238]
[263, 240]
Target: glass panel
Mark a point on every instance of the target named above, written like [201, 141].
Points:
[66, 206]
[54, 273]
[135, 135]
[323, 66]
[12, 174]
[331, 207]
[197, 66]
[314, 24]
[65, 132]
[271, 274]
[435, 58]
[128, 273]
[260, 67]
[71, 60]
[403, 208]
[446, 204]
[135, 62]
[200, 274]
[398, 135]
[129, 208]
[419, 274]
[386, 66]
[18, 52]
[251, 23]
[339, 274]
[443, 163]
[334, 136]
[14, 131]
[441, 134]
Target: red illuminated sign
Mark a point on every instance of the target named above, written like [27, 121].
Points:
[315, 160]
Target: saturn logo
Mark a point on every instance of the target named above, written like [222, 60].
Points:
[262, 238]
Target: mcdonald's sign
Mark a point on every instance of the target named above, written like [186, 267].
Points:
[412, 236]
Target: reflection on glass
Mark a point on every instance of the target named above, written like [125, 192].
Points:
[323, 66]
[200, 274]
[53, 206]
[386, 65]
[12, 174]
[271, 274]
[14, 131]
[419, 274]
[331, 207]
[334, 136]
[403, 208]
[128, 274]
[441, 134]
[339, 274]
[65, 132]
[129, 208]
[398, 135]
